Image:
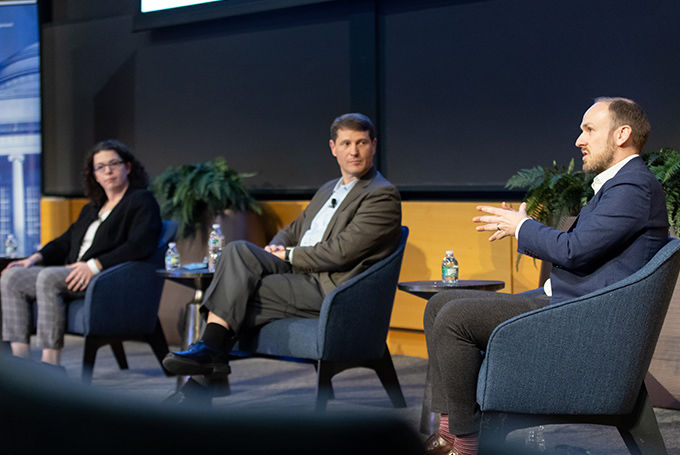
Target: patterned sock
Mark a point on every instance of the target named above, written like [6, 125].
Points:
[444, 429]
[467, 444]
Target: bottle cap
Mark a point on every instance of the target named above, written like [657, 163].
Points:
[215, 226]
[449, 252]
[171, 245]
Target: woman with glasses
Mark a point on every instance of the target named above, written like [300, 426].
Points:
[121, 223]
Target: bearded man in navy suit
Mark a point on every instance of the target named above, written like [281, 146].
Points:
[616, 233]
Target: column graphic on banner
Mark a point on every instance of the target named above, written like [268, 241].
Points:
[20, 142]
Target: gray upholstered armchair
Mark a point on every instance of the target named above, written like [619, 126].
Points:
[581, 361]
[350, 331]
[121, 303]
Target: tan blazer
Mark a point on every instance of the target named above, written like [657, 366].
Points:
[365, 228]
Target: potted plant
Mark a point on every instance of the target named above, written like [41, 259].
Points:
[195, 194]
[554, 193]
[665, 165]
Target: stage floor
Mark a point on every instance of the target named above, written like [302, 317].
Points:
[269, 384]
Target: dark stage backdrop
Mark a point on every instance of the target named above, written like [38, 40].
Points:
[465, 92]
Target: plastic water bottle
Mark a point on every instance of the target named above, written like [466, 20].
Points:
[172, 257]
[11, 247]
[450, 269]
[215, 244]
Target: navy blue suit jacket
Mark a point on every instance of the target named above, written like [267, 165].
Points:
[615, 234]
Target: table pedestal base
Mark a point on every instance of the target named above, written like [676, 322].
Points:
[199, 391]
[193, 326]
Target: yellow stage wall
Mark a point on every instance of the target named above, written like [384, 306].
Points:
[434, 228]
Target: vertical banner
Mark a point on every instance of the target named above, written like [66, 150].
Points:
[20, 143]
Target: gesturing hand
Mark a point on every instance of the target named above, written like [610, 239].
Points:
[502, 221]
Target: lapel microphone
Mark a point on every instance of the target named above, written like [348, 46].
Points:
[333, 203]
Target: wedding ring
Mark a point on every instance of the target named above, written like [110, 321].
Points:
[82, 281]
[498, 227]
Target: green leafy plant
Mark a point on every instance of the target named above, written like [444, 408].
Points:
[195, 194]
[553, 193]
[665, 165]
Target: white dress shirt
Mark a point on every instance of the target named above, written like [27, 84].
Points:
[89, 238]
[320, 222]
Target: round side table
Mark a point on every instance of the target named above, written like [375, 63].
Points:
[199, 280]
[428, 288]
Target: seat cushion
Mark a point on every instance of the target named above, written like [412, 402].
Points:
[294, 337]
[75, 317]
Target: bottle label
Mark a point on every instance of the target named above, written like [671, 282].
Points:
[171, 262]
[450, 273]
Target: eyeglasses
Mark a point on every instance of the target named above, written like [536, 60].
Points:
[113, 165]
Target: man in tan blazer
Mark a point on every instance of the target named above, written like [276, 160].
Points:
[350, 224]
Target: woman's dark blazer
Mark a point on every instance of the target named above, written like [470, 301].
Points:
[129, 233]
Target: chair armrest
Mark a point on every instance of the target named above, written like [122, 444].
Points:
[355, 317]
[123, 300]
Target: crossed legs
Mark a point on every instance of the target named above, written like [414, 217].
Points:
[251, 287]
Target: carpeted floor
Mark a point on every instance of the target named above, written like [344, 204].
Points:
[268, 384]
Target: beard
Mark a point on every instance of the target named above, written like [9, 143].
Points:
[602, 161]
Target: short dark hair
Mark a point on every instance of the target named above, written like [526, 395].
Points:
[627, 112]
[137, 177]
[354, 122]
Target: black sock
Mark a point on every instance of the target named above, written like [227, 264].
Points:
[218, 337]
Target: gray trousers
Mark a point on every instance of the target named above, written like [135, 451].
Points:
[458, 325]
[252, 287]
[47, 287]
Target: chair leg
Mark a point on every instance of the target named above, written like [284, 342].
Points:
[492, 434]
[119, 354]
[324, 387]
[159, 345]
[643, 437]
[329, 391]
[89, 355]
[384, 368]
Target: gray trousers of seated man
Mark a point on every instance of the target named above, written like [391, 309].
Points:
[458, 324]
[252, 287]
